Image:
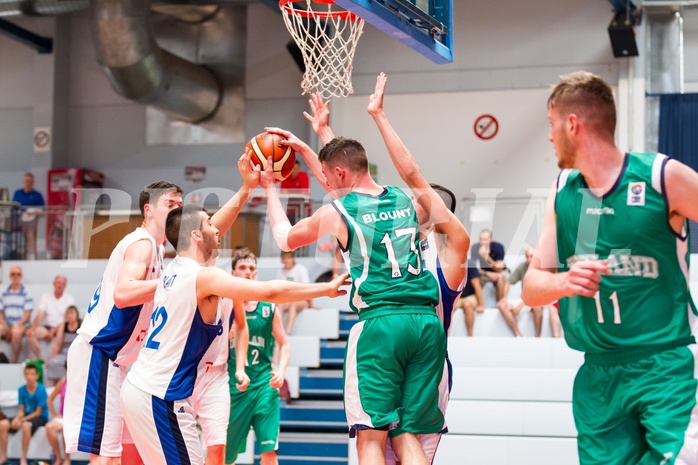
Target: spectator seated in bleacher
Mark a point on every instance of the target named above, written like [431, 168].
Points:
[489, 258]
[292, 271]
[67, 331]
[510, 309]
[471, 300]
[55, 426]
[16, 305]
[32, 414]
[49, 316]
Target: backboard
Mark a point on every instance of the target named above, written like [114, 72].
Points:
[423, 25]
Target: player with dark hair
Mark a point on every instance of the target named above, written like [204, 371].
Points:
[155, 399]
[112, 332]
[114, 328]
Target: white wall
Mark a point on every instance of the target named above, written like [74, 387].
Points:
[439, 131]
[690, 41]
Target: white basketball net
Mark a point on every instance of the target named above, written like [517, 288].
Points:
[327, 38]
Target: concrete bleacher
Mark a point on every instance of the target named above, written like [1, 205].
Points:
[11, 378]
[513, 395]
[510, 404]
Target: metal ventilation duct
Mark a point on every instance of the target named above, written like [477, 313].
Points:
[140, 70]
[41, 7]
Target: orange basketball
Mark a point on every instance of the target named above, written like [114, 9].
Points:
[267, 145]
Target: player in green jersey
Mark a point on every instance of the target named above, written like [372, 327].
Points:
[614, 251]
[377, 229]
[258, 405]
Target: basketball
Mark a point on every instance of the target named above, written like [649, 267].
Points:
[267, 145]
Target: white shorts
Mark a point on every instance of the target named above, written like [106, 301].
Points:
[92, 415]
[211, 401]
[163, 431]
[430, 442]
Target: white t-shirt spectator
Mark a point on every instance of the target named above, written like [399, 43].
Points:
[54, 309]
[298, 273]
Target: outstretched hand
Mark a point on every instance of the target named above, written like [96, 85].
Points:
[336, 283]
[249, 172]
[375, 100]
[267, 177]
[291, 140]
[320, 119]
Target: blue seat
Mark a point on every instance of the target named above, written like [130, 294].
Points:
[346, 321]
[321, 383]
[332, 353]
[318, 415]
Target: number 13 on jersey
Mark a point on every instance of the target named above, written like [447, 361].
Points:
[411, 235]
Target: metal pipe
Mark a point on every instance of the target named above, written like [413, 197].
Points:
[670, 3]
[140, 70]
[41, 7]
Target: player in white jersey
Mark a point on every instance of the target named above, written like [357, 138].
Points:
[117, 319]
[211, 397]
[155, 399]
[112, 331]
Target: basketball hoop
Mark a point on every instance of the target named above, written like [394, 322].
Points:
[327, 38]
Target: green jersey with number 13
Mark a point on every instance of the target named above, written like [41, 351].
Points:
[382, 252]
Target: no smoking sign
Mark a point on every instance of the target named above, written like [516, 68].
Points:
[486, 127]
[42, 139]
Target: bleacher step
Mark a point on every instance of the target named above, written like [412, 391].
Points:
[332, 353]
[498, 450]
[326, 383]
[304, 448]
[313, 415]
[346, 321]
[510, 352]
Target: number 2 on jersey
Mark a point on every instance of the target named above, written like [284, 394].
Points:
[158, 320]
[392, 258]
[255, 357]
[616, 307]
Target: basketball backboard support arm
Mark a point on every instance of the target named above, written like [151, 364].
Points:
[428, 33]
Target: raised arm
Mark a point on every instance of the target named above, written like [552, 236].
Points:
[320, 119]
[224, 218]
[308, 155]
[542, 283]
[325, 220]
[456, 236]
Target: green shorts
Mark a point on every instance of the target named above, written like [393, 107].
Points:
[642, 412]
[392, 370]
[256, 408]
